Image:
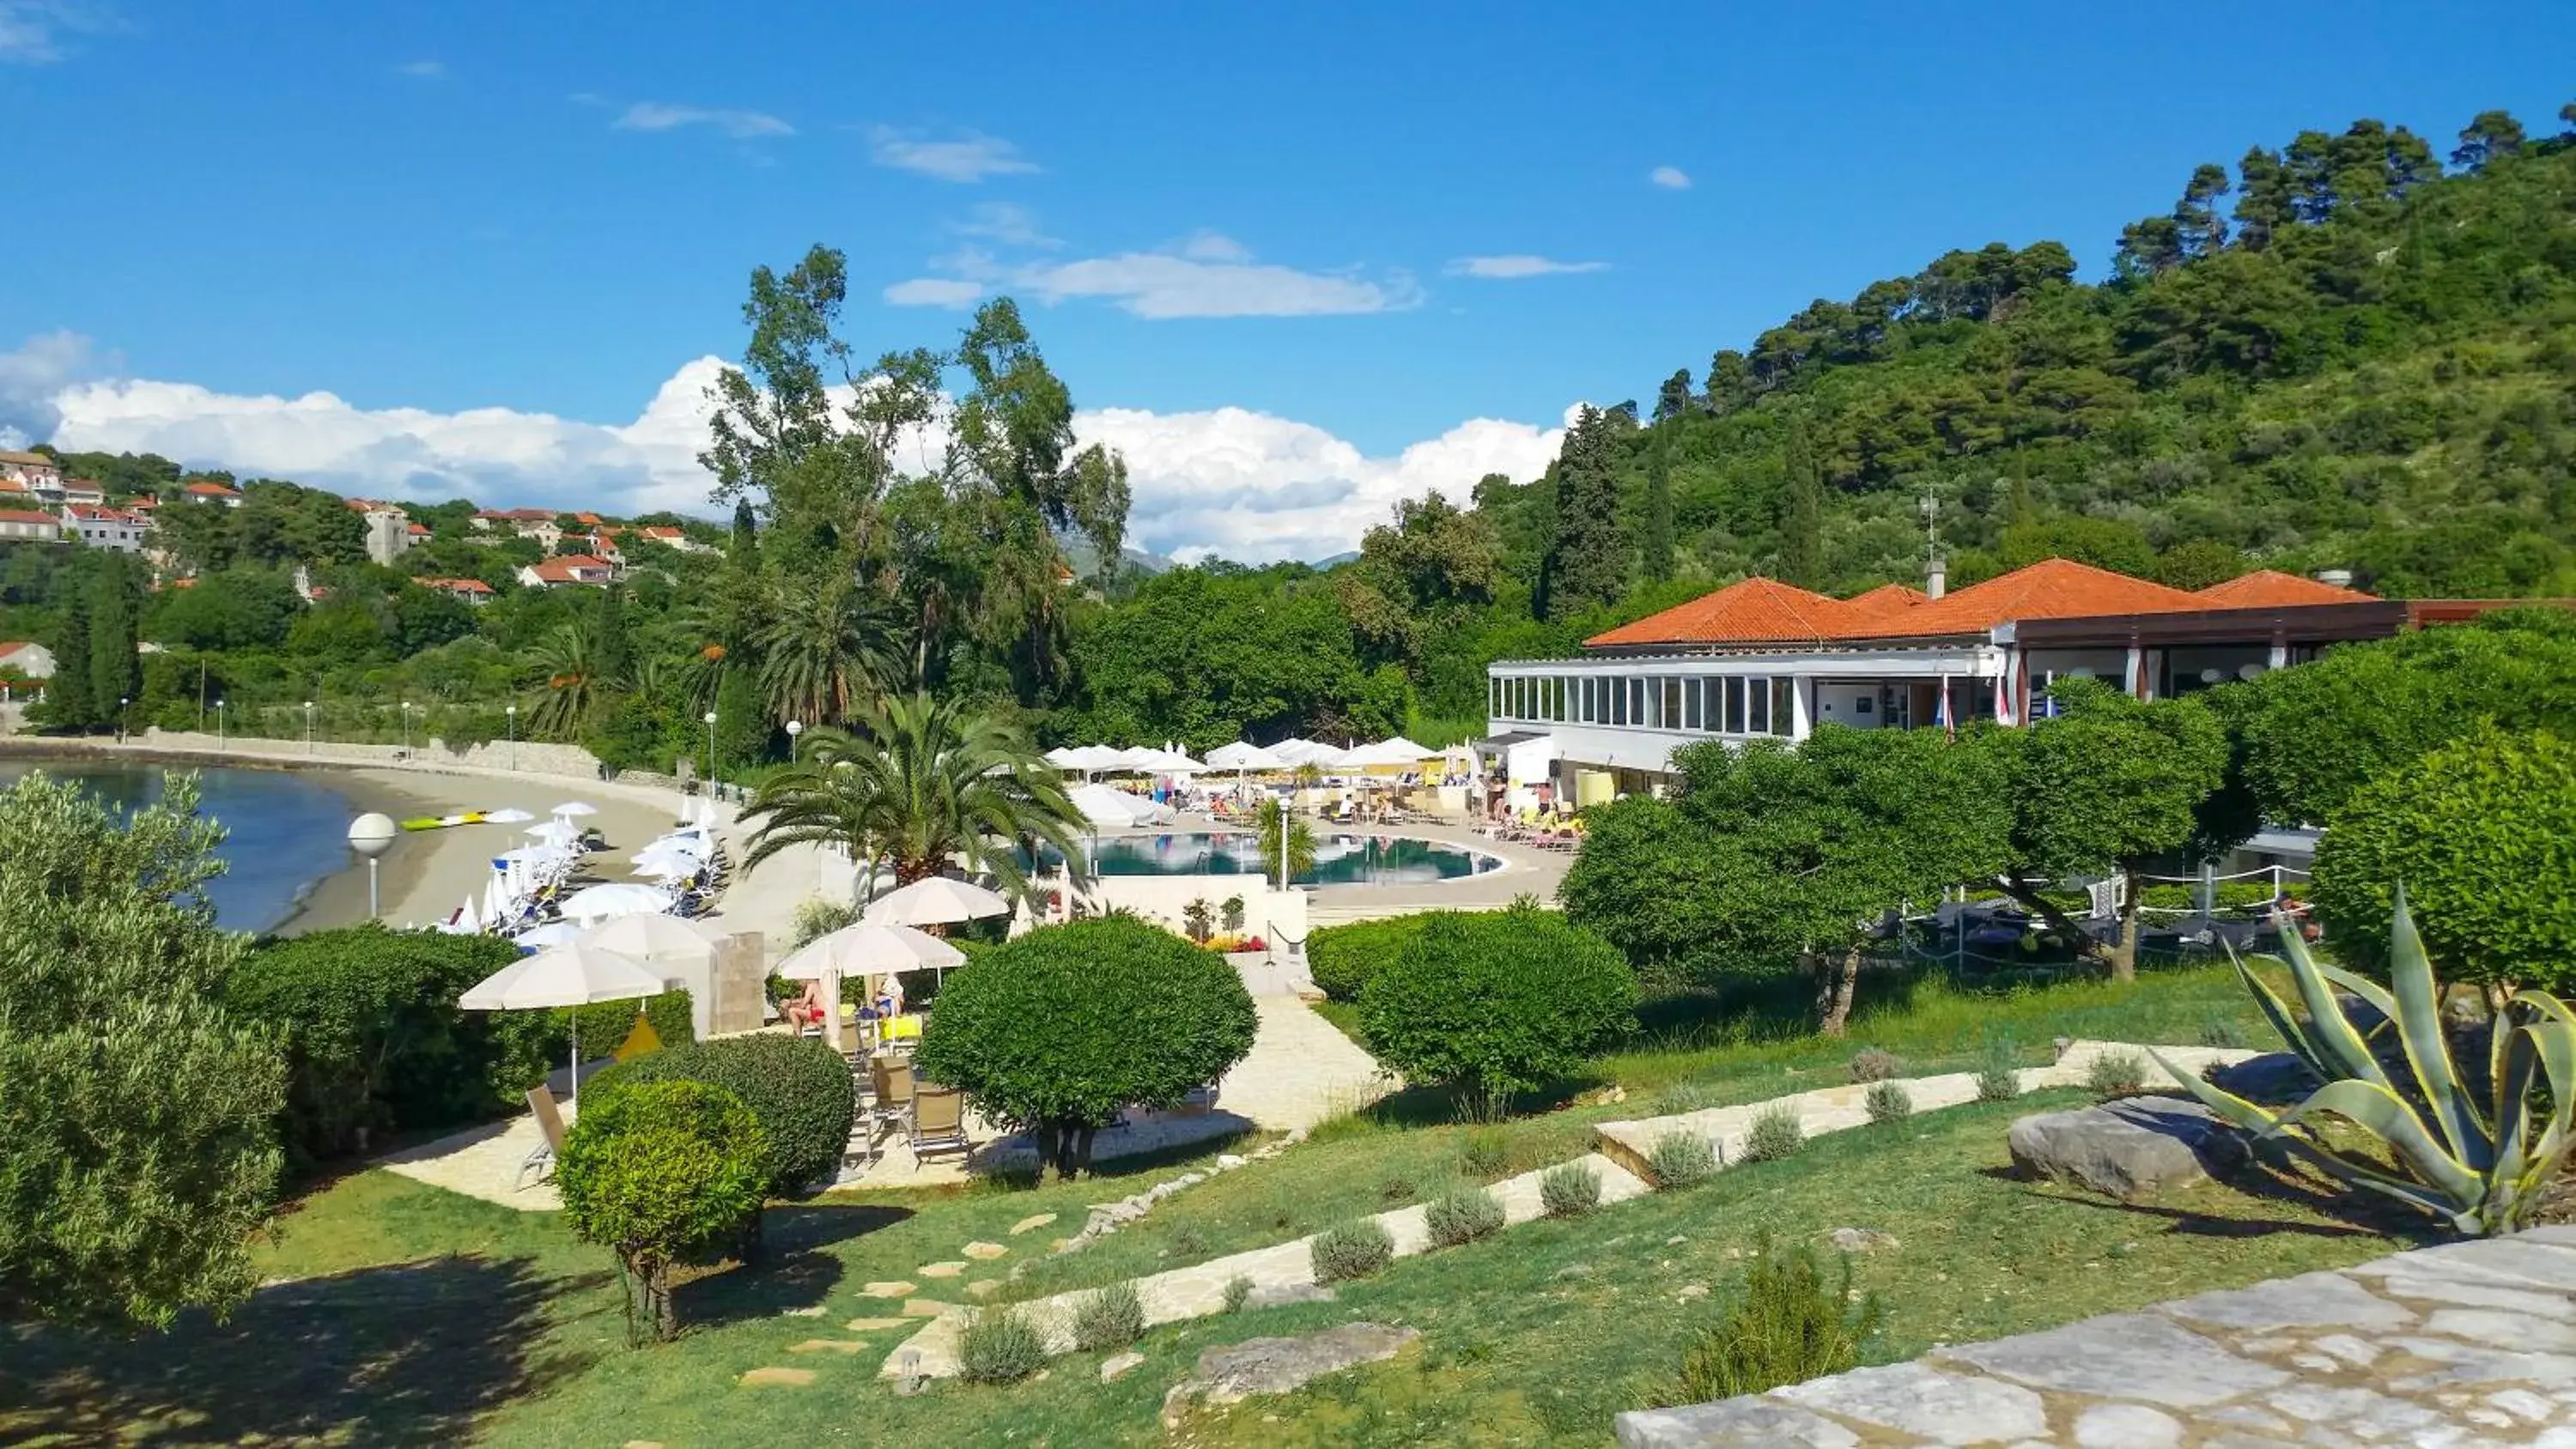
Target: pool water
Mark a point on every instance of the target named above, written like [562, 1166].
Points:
[1339, 859]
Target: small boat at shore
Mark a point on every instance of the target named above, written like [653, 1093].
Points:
[442, 822]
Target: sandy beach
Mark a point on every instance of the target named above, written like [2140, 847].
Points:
[428, 873]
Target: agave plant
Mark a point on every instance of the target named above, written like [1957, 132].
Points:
[2482, 1166]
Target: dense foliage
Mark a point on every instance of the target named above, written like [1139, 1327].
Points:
[797, 1088]
[2481, 835]
[137, 1151]
[1497, 1004]
[656, 1173]
[1060, 1029]
[1341, 959]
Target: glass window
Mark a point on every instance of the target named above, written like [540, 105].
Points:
[1690, 703]
[1784, 709]
[1734, 704]
[1649, 697]
[1757, 718]
[1494, 697]
[1672, 704]
[1556, 709]
[1618, 701]
[1636, 700]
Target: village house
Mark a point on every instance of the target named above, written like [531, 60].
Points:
[28, 524]
[107, 527]
[571, 568]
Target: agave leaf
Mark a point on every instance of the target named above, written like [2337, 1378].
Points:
[2278, 1012]
[2413, 1194]
[2376, 1108]
[2419, 1031]
[2333, 1031]
[2361, 986]
[2251, 1116]
[2512, 1160]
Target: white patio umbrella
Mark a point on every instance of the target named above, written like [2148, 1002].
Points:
[552, 933]
[575, 807]
[617, 898]
[676, 856]
[936, 901]
[654, 940]
[1103, 806]
[1242, 755]
[869, 948]
[467, 922]
[573, 975]
[507, 815]
[1402, 751]
[558, 833]
[1064, 758]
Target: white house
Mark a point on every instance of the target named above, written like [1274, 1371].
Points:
[39, 475]
[571, 568]
[28, 524]
[107, 527]
[31, 659]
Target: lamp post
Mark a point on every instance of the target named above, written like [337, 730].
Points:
[371, 835]
[711, 752]
[308, 726]
[406, 727]
[219, 724]
[510, 721]
[121, 702]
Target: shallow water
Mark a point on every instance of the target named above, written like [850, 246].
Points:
[285, 830]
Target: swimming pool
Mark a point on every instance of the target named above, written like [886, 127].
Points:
[1339, 859]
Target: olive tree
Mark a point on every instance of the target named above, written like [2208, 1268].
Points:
[138, 1149]
[659, 1170]
[2482, 836]
[1059, 1030]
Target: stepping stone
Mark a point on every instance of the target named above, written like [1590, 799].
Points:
[814, 1311]
[872, 1325]
[1031, 1225]
[780, 1378]
[889, 1290]
[829, 1345]
[643, 1444]
[941, 1270]
[1120, 1363]
[925, 1307]
[983, 1288]
[985, 1252]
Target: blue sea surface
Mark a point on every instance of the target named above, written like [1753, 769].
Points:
[284, 830]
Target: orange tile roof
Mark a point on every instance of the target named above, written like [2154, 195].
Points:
[208, 490]
[1889, 599]
[1750, 611]
[567, 568]
[2273, 589]
[2053, 588]
[469, 586]
[24, 515]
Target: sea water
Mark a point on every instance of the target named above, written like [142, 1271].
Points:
[283, 830]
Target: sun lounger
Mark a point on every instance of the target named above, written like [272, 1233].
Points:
[550, 1130]
[939, 1121]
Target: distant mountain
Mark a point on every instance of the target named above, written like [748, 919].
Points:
[1079, 552]
[1348, 555]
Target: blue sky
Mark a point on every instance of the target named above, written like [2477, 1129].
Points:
[541, 209]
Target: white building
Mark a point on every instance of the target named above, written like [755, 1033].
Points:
[33, 660]
[40, 476]
[571, 568]
[29, 525]
[107, 527]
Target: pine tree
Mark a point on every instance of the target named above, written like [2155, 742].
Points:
[71, 694]
[2491, 135]
[1587, 557]
[1674, 398]
[2199, 230]
[116, 669]
[2263, 200]
[1656, 547]
[1802, 513]
[613, 650]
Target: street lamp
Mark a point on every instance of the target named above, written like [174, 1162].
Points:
[121, 702]
[510, 718]
[219, 724]
[371, 835]
[406, 719]
[308, 726]
[711, 751]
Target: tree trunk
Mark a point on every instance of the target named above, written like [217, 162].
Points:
[1081, 1154]
[752, 1245]
[2123, 954]
[650, 1318]
[2058, 921]
[1836, 979]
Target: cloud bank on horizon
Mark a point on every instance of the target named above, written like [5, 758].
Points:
[1227, 482]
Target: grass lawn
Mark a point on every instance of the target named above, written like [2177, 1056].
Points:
[408, 1315]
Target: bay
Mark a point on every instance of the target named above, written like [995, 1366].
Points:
[284, 830]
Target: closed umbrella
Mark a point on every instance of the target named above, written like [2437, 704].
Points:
[574, 975]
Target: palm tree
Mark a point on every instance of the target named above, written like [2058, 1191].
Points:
[575, 684]
[920, 783]
[825, 652]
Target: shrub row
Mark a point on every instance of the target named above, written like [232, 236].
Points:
[1343, 958]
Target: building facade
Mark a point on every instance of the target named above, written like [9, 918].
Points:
[107, 527]
[27, 524]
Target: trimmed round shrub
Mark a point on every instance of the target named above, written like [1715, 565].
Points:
[657, 1172]
[1343, 958]
[1351, 1250]
[797, 1088]
[1113, 1317]
[1462, 1217]
[1498, 1004]
[1681, 1159]
[2479, 833]
[1569, 1190]
[1061, 1029]
[1000, 1346]
[1774, 1134]
[1888, 1102]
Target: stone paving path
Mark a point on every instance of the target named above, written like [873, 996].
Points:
[484, 1162]
[2457, 1347]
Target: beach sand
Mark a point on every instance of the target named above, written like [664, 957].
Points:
[428, 873]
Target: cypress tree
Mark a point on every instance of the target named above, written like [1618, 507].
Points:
[1657, 546]
[615, 652]
[1802, 513]
[71, 694]
[115, 668]
[745, 552]
[1587, 559]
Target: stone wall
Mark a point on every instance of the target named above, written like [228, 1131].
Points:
[524, 757]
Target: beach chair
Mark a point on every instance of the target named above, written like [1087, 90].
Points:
[550, 1128]
[939, 1122]
[890, 1087]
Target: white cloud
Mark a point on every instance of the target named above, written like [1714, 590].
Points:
[968, 158]
[1671, 178]
[1210, 246]
[948, 292]
[741, 125]
[30, 377]
[1515, 267]
[1214, 276]
[1004, 224]
[1227, 481]
[425, 69]
[32, 31]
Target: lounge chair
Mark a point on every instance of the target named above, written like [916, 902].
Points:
[939, 1121]
[550, 1128]
[890, 1083]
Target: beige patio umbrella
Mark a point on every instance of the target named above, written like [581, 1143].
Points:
[572, 975]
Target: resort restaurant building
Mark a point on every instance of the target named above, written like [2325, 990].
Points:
[1761, 658]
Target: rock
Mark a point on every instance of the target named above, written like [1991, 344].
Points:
[985, 1252]
[1032, 1224]
[1860, 1240]
[2128, 1148]
[1947, 1408]
[1282, 1365]
[1275, 1295]
[829, 1345]
[2274, 1079]
[889, 1290]
[909, 1385]
[777, 1378]
[2100, 1357]
[1230, 1161]
[872, 1325]
[1119, 1364]
[925, 1307]
[2126, 1426]
[941, 1270]
[1732, 1421]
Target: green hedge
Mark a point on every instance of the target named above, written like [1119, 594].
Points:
[1498, 1004]
[797, 1087]
[376, 1041]
[1343, 958]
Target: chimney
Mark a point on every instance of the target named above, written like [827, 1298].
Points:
[1936, 575]
[2340, 578]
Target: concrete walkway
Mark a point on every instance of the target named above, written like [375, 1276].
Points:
[2466, 1345]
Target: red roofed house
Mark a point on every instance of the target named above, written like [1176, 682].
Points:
[88, 491]
[107, 527]
[472, 591]
[206, 490]
[1760, 657]
[572, 568]
[28, 524]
